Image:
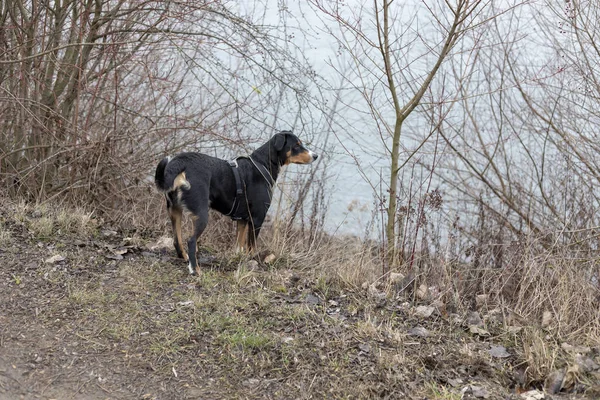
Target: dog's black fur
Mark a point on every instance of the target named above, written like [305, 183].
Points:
[196, 181]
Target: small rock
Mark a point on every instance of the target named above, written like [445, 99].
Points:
[455, 382]
[575, 349]
[162, 243]
[418, 331]
[375, 293]
[514, 329]
[54, 259]
[396, 277]
[251, 382]
[424, 311]
[108, 233]
[269, 259]
[312, 299]
[36, 214]
[364, 347]
[423, 292]
[547, 319]
[499, 352]
[533, 395]
[473, 318]
[586, 363]
[473, 391]
[455, 318]
[481, 300]
[554, 381]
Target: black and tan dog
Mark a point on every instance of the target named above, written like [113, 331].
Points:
[241, 189]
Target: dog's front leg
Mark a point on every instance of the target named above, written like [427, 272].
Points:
[242, 235]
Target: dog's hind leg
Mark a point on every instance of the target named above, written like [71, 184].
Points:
[252, 236]
[242, 236]
[176, 214]
[200, 222]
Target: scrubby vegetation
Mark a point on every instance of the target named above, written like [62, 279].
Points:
[476, 273]
[94, 311]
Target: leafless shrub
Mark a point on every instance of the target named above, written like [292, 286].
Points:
[93, 94]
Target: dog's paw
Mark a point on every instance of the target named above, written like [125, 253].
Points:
[191, 269]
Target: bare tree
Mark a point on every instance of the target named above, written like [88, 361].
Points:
[398, 50]
[527, 140]
[92, 92]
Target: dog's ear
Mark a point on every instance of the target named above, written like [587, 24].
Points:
[279, 141]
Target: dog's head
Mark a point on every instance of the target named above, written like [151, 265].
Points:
[290, 149]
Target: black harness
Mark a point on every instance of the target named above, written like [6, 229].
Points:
[239, 209]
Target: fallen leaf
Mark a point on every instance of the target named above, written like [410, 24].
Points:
[547, 319]
[571, 377]
[418, 331]
[533, 395]
[424, 311]
[270, 259]
[475, 330]
[55, 259]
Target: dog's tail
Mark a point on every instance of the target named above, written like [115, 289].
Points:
[170, 176]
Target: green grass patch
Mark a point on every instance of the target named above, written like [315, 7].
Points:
[246, 340]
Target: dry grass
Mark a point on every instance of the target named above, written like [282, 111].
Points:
[47, 219]
[546, 296]
[242, 311]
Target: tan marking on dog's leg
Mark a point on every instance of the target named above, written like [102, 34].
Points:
[251, 237]
[176, 217]
[181, 181]
[242, 235]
